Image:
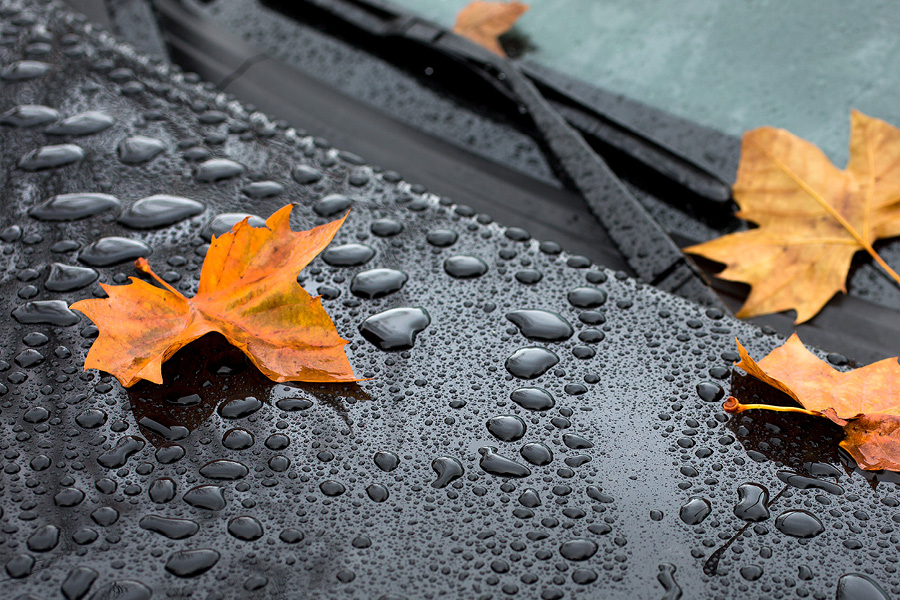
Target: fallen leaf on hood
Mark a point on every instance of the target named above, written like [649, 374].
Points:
[484, 22]
[812, 216]
[864, 401]
[248, 292]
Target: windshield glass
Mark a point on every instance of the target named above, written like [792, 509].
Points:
[735, 65]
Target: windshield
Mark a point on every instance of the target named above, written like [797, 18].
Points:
[735, 65]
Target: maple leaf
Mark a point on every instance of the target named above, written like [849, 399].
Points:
[864, 401]
[484, 22]
[248, 292]
[812, 216]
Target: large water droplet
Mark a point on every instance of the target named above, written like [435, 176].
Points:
[493, 463]
[377, 283]
[348, 255]
[140, 149]
[71, 207]
[51, 157]
[448, 469]
[395, 329]
[856, 586]
[799, 523]
[85, 123]
[506, 428]
[585, 297]
[109, 251]
[218, 169]
[537, 453]
[531, 362]
[465, 267]
[695, 510]
[209, 497]
[331, 205]
[533, 398]
[753, 501]
[578, 549]
[170, 527]
[23, 70]
[65, 278]
[190, 563]
[541, 325]
[48, 312]
[28, 115]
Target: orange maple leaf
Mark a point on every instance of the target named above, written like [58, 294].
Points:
[484, 22]
[248, 292]
[812, 216]
[865, 401]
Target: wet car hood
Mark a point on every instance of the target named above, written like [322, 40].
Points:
[530, 426]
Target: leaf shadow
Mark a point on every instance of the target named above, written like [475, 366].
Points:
[208, 373]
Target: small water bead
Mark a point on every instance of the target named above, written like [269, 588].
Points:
[237, 439]
[262, 189]
[24, 70]
[170, 527]
[506, 428]
[86, 123]
[396, 328]
[218, 169]
[238, 408]
[305, 174]
[223, 469]
[66, 278]
[585, 297]
[348, 255]
[207, 497]
[245, 528]
[441, 238]
[494, 464]
[140, 149]
[533, 398]
[695, 510]
[51, 157]
[332, 205]
[386, 227]
[541, 325]
[465, 267]
[110, 251]
[377, 283]
[191, 563]
[448, 470]
[531, 362]
[225, 222]
[28, 115]
[799, 523]
[72, 207]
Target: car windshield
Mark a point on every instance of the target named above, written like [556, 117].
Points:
[801, 65]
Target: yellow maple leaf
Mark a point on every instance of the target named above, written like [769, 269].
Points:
[812, 216]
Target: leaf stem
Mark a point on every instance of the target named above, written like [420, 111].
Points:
[143, 266]
[733, 405]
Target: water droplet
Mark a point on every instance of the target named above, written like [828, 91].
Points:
[332, 204]
[348, 255]
[78, 582]
[529, 498]
[49, 312]
[28, 115]
[85, 123]
[396, 328]
[262, 189]
[218, 169]
[856, 586]
[709, 391]
[51, 157]
[377, 492]
[140, 149]
[109, 251]
[585, 297]
[19, 566]
[541, 325]
[531, 362]
[578, 549]
[159, 211]
[43, 539]
[799, 523]
[227, 470]
[387, 461]
[494, 464]
[237, 439]
[386, 227]
[576, 442]
[117, 456]
[804, 483]
[225, 222]
[332, 488]
[71, 207]
[537, 453]
[506, 428]
[238, 408]
[695, 510]
[753, 501]
[190, 563]
[172, 528]
[465, 267]
[448, 469]
[124, 589]
[209, 497]
[377, 283]
[245, 528]
[23, 70]
[66, 278]
[441, 238]
[305, 174]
